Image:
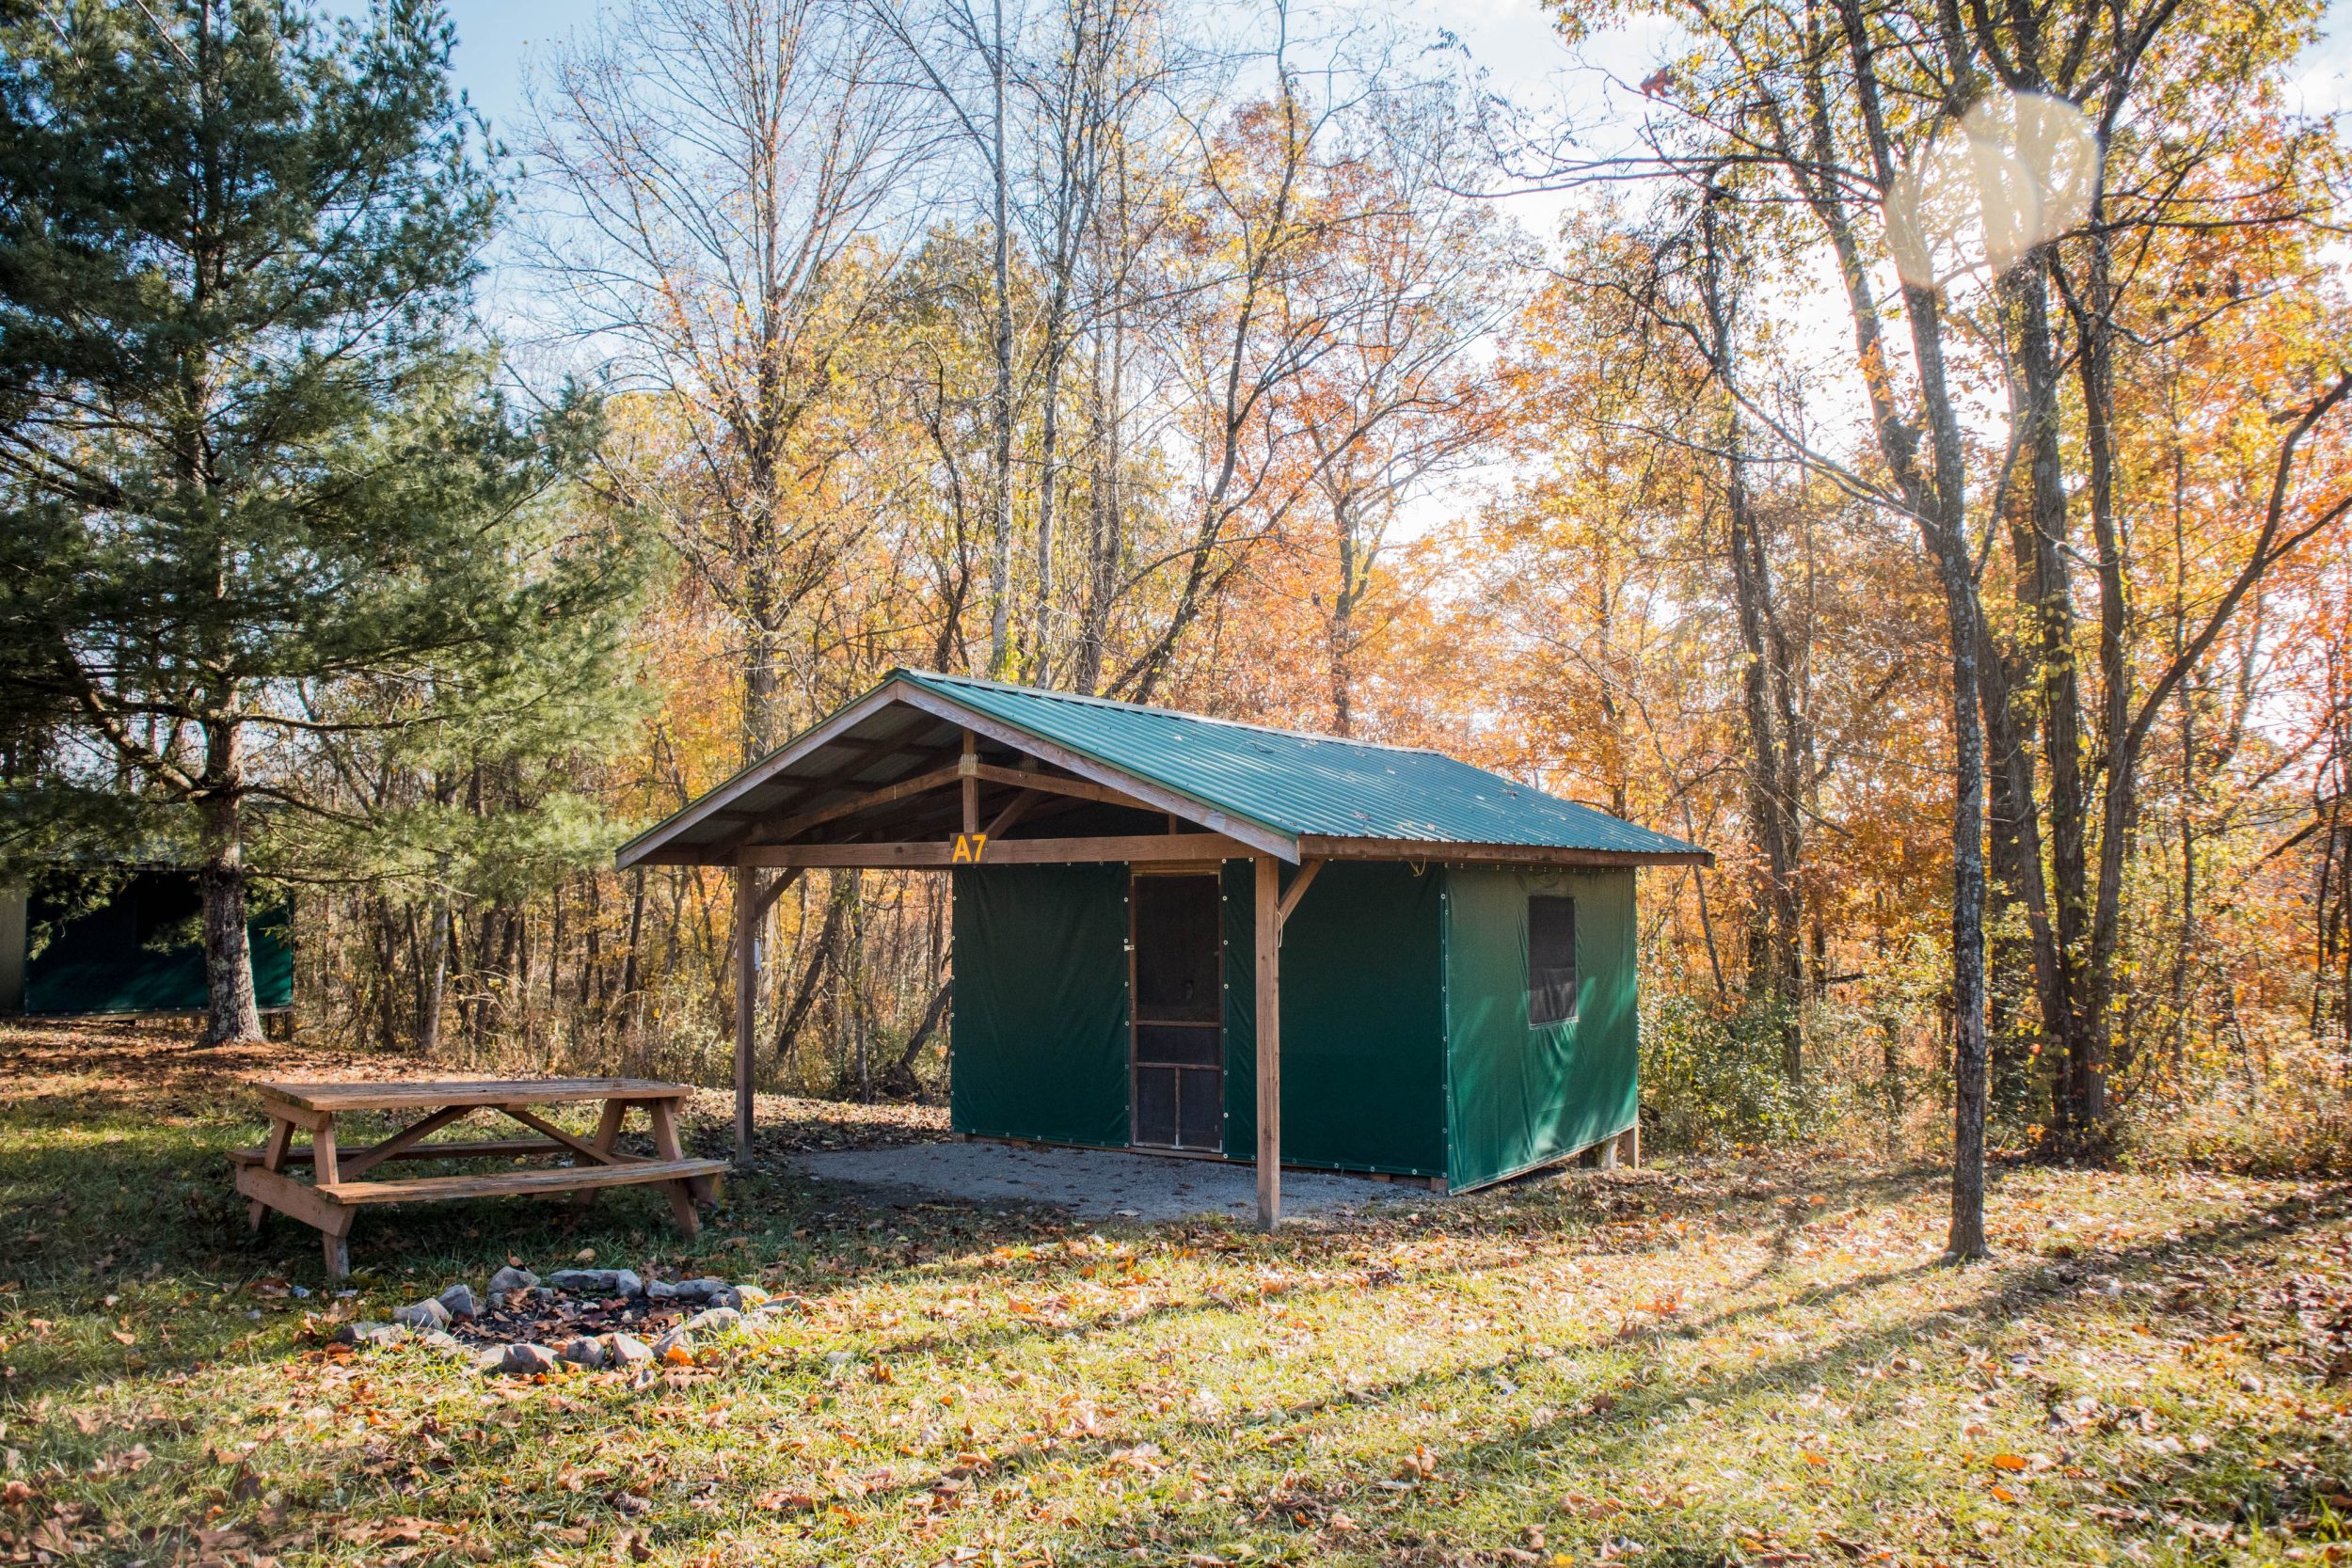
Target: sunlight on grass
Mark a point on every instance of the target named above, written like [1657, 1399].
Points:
[1719, 1363]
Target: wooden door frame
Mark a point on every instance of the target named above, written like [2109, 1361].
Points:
[1216, 876]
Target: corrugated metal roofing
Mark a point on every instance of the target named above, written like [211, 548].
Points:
[1283, 784]
[1301, 785]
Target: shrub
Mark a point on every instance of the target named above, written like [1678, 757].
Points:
[1712, 1080]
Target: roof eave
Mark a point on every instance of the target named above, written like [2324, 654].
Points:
[753, 774]
[1319, 847]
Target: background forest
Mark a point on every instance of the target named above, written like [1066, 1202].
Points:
[1910, 457]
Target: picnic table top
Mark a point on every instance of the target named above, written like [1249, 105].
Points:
[401, 1094]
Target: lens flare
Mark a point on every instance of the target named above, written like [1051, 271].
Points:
[2017, 171]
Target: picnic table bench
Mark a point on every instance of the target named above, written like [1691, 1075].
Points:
[336, 1192]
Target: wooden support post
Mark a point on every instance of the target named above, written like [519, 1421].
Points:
[273, 1160]
[669, 1147]
[326, 1170]
[1270, 929]
[970, 766]
[748, 908]
[608, 1134]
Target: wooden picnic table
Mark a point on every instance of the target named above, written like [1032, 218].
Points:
[335, 1192]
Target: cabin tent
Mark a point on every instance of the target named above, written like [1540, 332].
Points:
[90, 940]
[1450, 955]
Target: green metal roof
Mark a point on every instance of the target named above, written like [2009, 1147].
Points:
[1302, 785]
[1272, 788]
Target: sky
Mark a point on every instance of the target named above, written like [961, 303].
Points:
[1510, 39]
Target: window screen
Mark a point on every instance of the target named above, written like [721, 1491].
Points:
[1179, 965]
[1550, 960]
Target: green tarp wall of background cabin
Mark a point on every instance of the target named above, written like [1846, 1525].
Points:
[141, 951]
[1039, 1036]
[1521, 1095]
[1364, 1021]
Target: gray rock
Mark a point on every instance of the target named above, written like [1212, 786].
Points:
[713, 1319]
[685, 1290]
[626, 1349]
[522, 1360]
[593, 1282]
[541, 1294]
[677, 1340]
[583, 1352]
[839, 1358]
[447, 1344]
[598, 1282]
[512, 1279]
[424, 1316]
[461, 1302]
[370, 1334]
[743, 1298]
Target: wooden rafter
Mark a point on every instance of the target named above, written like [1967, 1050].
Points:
[1057, 784]
[1158, 797]
[922, 783]
[1014, 810]
[939, 855]
[775, 890]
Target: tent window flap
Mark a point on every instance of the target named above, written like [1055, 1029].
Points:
[1550, 960]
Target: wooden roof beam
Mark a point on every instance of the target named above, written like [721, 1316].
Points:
[937, 855]
[922, 783]
[1157, 797]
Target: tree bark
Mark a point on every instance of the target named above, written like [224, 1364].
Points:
[1771, 805]
[232, 1015]
[1000, 401]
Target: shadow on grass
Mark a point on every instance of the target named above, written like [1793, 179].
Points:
[152, 1197]
[2225, 1484]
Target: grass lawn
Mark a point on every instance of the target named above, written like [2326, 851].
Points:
[1705, 1362]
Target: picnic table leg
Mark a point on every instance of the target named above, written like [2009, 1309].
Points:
[326, 1172]
[273, 1161]
[608, 1134]
[666, 1146]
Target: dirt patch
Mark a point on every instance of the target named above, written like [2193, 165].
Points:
[1096, 1183]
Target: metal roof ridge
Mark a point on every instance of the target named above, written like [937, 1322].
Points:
[899, 672]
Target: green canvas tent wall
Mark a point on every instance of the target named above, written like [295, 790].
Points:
[1182, 934]
[1407, 1045]
[123, 941]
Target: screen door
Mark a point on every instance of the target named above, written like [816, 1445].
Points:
[1179, 969]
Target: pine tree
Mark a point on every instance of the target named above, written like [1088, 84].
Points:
[257, 500]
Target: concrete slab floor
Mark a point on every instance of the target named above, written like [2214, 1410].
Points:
[1094, 1184]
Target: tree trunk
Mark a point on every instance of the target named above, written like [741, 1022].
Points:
[1342, 633]
[2052, 656]
[1778, 978]
[1941, 510]
[1000, 402]
[232, 1015]
[1105, 540]
[433, 987]
[2087, 1062]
